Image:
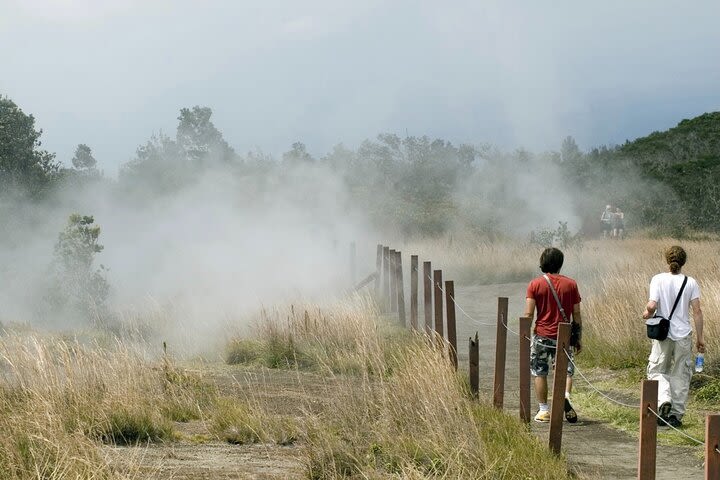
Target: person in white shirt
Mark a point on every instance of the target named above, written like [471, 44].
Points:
[606, 220]
[671, 360]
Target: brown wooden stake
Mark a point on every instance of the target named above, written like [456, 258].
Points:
[400, 289]
[712, 444]
[378, 271]
[392, 258]
[557, 408]
[647, 449]
[427, 299]
[414, 291]
[500, 353]
[386, 278]
[524, 373]
[439, 330]
[450, 315]
[474, 366]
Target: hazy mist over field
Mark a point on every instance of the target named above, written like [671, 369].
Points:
[207, 254]
[308, 126]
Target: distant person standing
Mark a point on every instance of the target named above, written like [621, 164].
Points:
[671, 360]
[541, 296]
[606, 220]
[618, 224]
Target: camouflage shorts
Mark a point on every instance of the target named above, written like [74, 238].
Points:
[542, 354]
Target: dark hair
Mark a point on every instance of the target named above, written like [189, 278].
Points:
[675, 257]
[551, 260]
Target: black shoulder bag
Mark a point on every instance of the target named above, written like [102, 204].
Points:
[575, 329]
[658, 327]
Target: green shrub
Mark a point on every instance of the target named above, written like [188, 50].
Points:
[126, 426]
[709, 391]
[238, 423]
[240, 351]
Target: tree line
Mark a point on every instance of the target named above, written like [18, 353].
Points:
[415, 185]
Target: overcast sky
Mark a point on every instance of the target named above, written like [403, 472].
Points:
[512, 73]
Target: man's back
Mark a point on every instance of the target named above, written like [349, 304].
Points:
[548, 313]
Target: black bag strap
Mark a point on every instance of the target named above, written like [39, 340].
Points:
[677, 299]
[557, 299]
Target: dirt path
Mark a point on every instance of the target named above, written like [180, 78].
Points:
[592, 448]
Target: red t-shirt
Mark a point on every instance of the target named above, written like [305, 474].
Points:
[548, 313]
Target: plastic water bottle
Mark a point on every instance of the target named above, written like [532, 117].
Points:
[699, 362]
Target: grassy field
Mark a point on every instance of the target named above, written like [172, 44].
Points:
[391, 406]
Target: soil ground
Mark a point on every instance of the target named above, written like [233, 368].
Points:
[593, 449]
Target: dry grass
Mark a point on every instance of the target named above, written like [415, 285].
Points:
[61, 399]
[418, 422]
[616, 295]
[397, 409]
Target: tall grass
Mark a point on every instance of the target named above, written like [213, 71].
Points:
[419, 422]
[397, 408]
[61, 399]
[618, 292]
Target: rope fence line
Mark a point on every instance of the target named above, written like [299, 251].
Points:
[468, 316]
[476, 321]
[676, 429]
[577, 370]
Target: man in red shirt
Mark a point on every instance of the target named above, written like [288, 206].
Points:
[544, 342]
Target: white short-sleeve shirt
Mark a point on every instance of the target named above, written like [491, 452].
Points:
[664, 288]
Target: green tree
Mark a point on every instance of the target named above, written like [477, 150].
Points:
[77, 286]
[569, 151]
[298, 154]
[83, 159]
[23, 165]
[164, 164]
[199, 139]
[157, 167]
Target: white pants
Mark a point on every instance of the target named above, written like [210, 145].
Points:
[671, 364]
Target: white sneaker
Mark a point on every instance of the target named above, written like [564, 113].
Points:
[542, 416]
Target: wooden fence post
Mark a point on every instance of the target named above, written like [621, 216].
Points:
[557, 408]
[386, 278]
[400, 285]
[500, 353]
[378, 271]
[414, 291]
[437, 297]
[647, 448]
[427, 300]
[524, 373]
[712, 443]
[475, 366]
[450, 315]
[392, 258]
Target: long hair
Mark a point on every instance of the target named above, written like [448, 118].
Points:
[675, 257]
